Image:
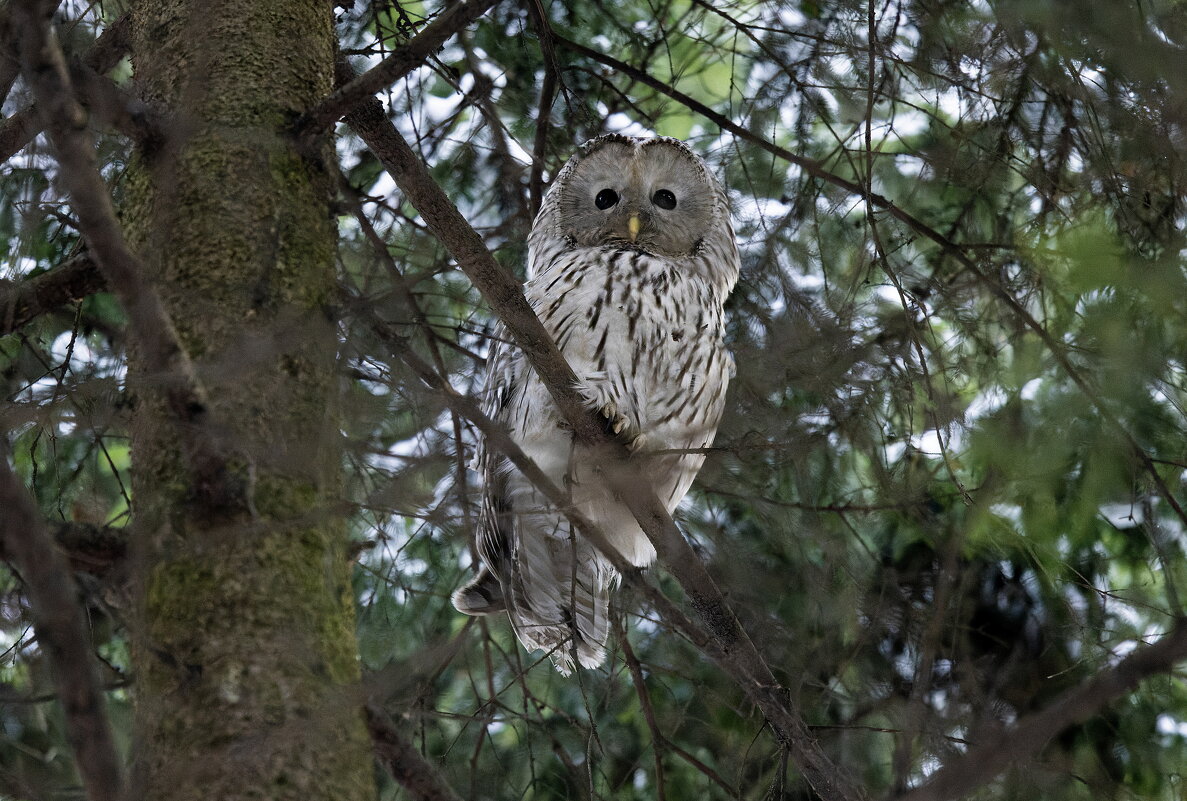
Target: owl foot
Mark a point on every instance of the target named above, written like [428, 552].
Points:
[637, 443]
[620, 423]
[482, 596]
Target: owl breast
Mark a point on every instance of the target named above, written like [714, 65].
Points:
[643, 334]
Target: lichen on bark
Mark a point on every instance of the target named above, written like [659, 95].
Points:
[245, 656]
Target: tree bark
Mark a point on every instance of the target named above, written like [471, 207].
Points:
[244, 648]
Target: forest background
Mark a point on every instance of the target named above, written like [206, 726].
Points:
[936, 550]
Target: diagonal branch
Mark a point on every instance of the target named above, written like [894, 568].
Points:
[97, 550]
[405, 764]
[498, 438]
[26, 300]
[412, 54]
[148, 322]
[731, 646]
[981, 763]
[111, 46]
[62, 635]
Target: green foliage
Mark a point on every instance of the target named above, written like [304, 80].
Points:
[925, 501]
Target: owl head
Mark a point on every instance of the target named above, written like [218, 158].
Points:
[652, 195]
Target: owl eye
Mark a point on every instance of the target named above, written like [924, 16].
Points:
[664, 198]
[606, 198]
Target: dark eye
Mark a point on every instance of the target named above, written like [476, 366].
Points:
[664, 199]
[607, 198]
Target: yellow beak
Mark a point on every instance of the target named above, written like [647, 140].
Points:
[633, 225]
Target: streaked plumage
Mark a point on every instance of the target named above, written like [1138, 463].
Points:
[637, 309]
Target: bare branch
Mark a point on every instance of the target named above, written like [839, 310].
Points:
[17, 131]
[87, 548]
[111, 46]
[544, 112]
[118, 109]
[659, 743]
[62, 635]
[404, 762]
[148, 321]
[92, 549]
[730, 644]
[70, 281]
[1027, 737]
[411, 55]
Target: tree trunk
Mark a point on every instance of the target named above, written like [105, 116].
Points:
[244, 646]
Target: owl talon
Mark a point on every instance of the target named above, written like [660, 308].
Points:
[618, 422]
[637, 443]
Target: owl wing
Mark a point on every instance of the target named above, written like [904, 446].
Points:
[484, 595]
[553, 584]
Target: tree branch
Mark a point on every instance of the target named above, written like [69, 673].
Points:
[117, 109]
[980, 764]
[23, 301]
[87, 548]
[404, 762]
[62, 635]
[111, 46]
[412, 54]
[548, 91]
[17, 131]
[45, 69]
[731, 646]
[10, 65]
[96, 550]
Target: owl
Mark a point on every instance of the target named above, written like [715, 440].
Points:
[630, 261]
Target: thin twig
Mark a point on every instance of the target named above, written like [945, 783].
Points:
[408, 57]
[544, 111]
[659, 743]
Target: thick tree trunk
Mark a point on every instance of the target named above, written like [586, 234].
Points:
[245, 657]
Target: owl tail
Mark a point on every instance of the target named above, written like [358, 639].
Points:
[562, 604]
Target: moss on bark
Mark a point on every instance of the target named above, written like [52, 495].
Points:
[245, 656]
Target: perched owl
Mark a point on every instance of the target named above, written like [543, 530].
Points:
[630, 261]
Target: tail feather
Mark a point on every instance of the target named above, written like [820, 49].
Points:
[557, 596]
[559, 600]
